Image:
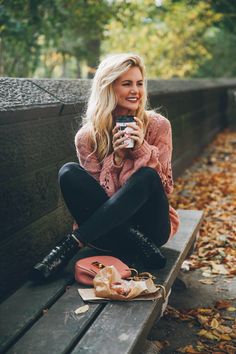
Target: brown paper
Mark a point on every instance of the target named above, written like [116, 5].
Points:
[109, 285]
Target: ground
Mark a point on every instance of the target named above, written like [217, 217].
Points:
[201, 316]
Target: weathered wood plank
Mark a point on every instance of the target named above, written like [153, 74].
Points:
[123, 325]
[59, 329]
[23, 308]
[26, 305]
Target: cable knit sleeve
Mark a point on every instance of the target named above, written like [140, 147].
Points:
[86, 155]
[106, 172]
[155, 152]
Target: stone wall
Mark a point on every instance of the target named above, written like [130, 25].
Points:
[38, 121]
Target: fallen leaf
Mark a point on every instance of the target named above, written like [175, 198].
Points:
[81, 309]
[224, 329]
[222, 304]
[210, 185]
[206, 281]
[203, 319]
[218, 268]
[225, 337]
[188, 349]
[160, 344]
[214, 323]
[208, 334]
[231, 309]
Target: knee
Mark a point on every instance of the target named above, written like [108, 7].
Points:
[67, 171]
[148, 172]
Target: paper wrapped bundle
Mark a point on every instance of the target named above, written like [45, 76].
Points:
[108, 284]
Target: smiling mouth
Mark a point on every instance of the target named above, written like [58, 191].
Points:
[132, 99]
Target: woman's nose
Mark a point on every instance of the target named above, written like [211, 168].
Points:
[134, 89]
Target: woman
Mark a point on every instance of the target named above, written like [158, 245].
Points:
[118, 195]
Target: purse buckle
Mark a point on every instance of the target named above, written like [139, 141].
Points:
[98, 265]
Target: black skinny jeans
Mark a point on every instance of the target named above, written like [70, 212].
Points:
[104, 222]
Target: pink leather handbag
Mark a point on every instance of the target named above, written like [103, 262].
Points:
[87, 268]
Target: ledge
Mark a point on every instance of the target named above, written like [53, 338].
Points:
[22, 93]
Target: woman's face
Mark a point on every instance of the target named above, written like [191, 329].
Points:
[129, 90]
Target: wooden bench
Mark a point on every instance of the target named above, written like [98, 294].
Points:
[40, 319]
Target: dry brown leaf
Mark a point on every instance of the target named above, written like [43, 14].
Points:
[225, 337]
[212, 187]
[188, 349]
[222, 304]
[224, 329]
[160, 344]
[206, 281]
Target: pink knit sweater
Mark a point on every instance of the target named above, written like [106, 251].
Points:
[155, 152]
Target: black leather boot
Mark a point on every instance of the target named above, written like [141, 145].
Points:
[149, 253]
[56, 259]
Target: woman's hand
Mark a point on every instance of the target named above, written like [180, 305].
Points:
[137, 133]
[119, 145]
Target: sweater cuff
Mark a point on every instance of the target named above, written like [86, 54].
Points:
[141, 150]
[114, 166]
[109, 162]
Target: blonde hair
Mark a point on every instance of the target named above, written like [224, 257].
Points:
[102, 101]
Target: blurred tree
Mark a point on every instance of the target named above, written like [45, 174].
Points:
[170, 37]
[224, 7]
[178, 38]
[222, 46]
[72, 28]
[220, 41]
[20, 25]
[82, 23]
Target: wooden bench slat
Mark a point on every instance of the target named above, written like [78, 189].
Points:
[123, 325]
[26, 305]
[59, 328]
[126, 323]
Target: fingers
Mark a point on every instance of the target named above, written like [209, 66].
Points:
[136, 133]
[137, 126]
[120, 143]
[118, 140]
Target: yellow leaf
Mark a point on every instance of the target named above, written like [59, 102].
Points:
[214, 323]
[231, 309]
[208, 334]
[225, 337]
[203, 319]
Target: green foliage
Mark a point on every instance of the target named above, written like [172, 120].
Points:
[171, 40]
[34, 30]
[20, 24]
[222, 46]
[177, 38]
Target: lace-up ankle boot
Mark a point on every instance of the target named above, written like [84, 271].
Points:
[56, 259]
[150, 254]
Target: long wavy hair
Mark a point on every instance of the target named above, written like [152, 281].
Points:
[98, 120]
